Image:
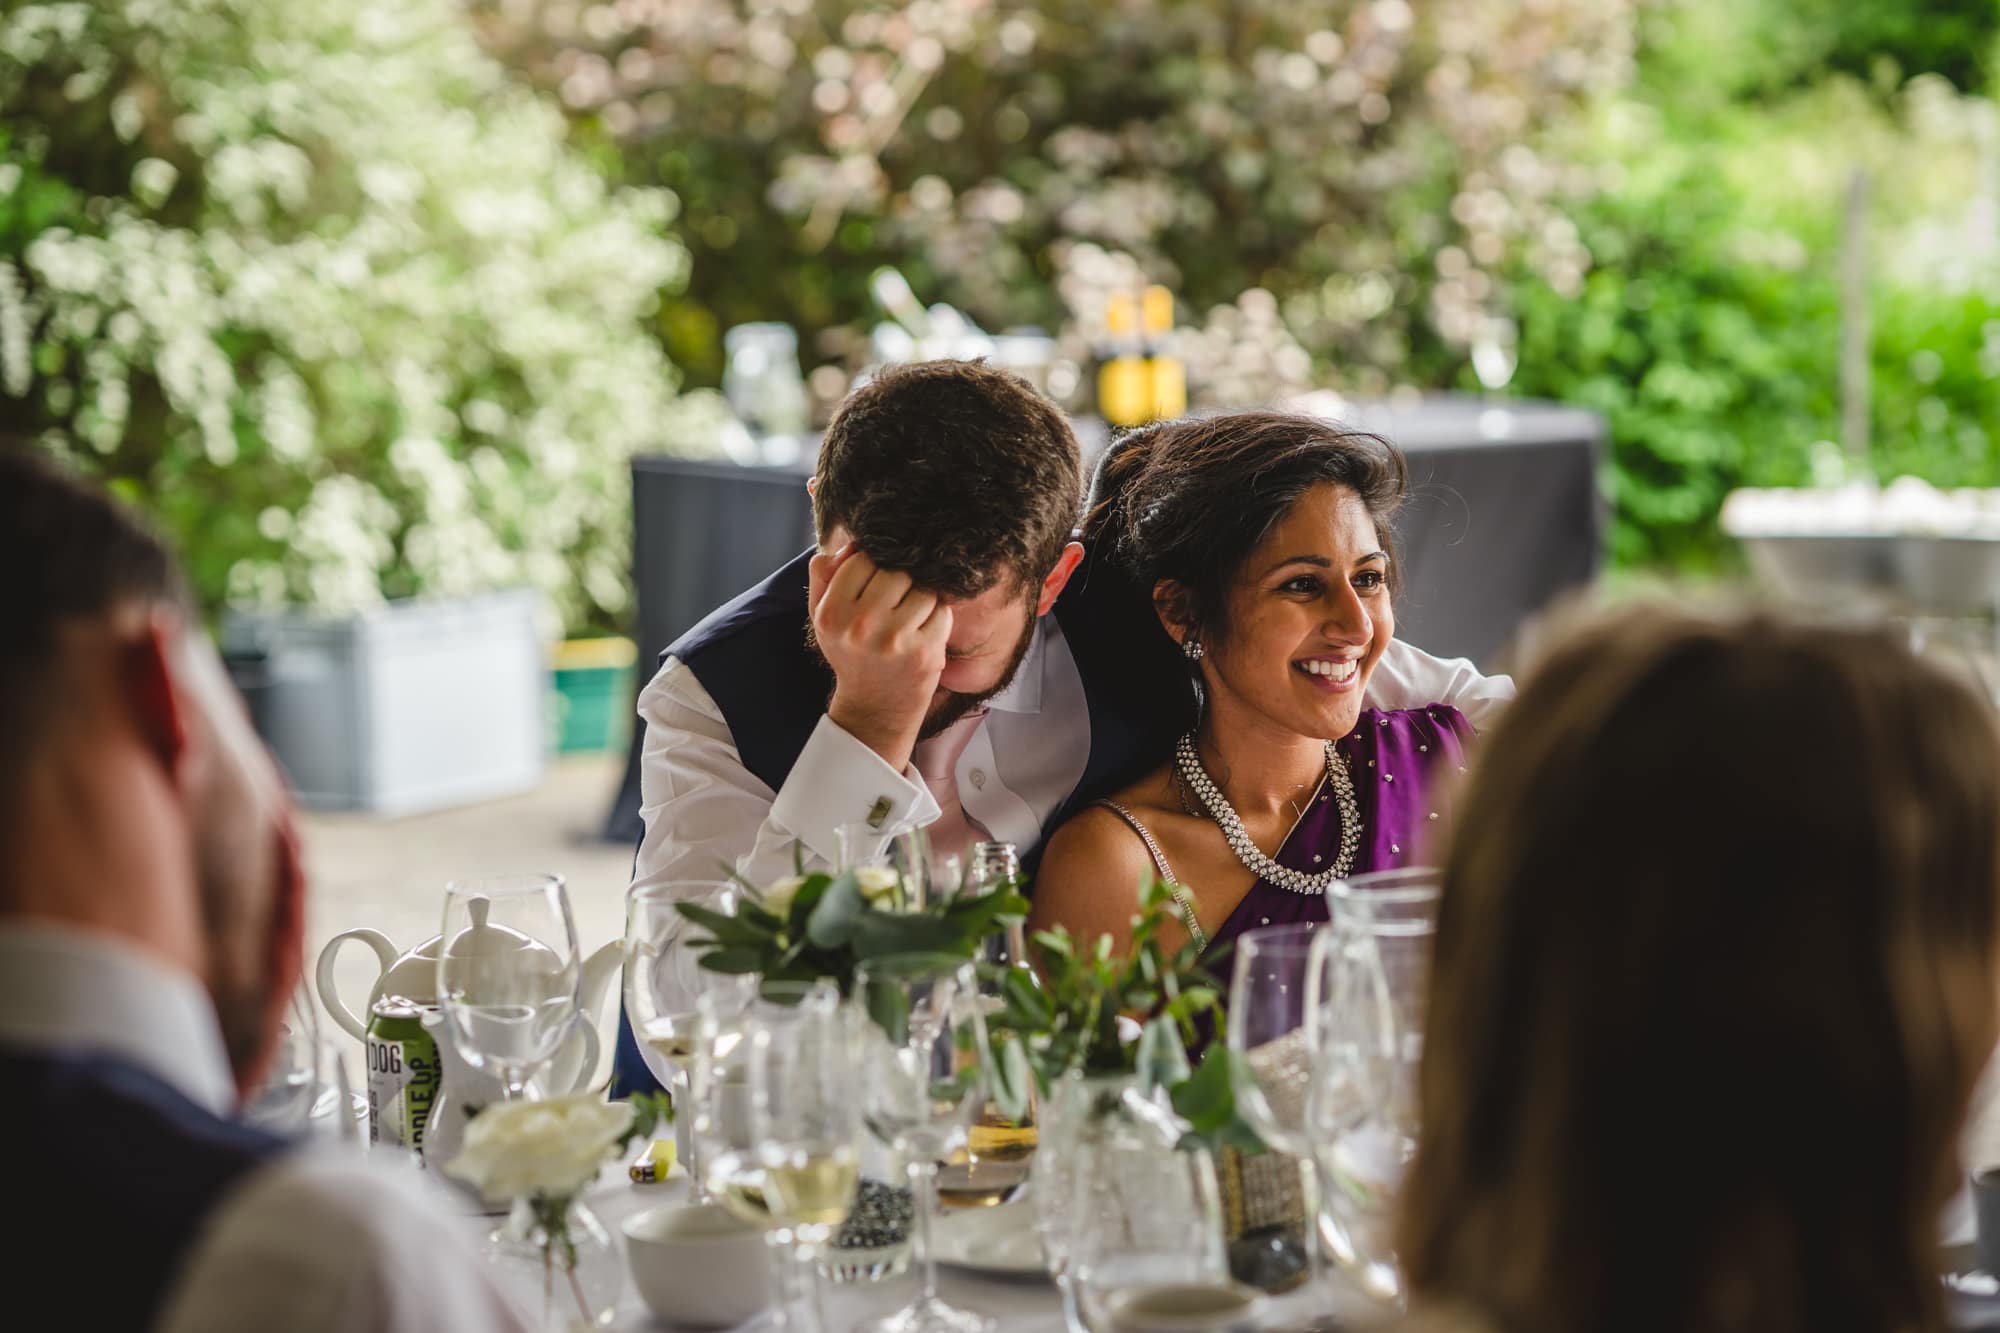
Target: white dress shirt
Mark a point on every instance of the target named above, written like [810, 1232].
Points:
[318, 1240]
[706, 814]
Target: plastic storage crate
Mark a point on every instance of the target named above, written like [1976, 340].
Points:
[411, 707]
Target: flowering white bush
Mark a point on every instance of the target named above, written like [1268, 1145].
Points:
[1375, 166]
[325, 291]
[552, 1148]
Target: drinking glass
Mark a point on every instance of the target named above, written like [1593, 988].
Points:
[1141, 1210]
[508, 974]
[1269, 994]
[1371, 965]
[922, 1084]
[667, 990]
[776, 1125]
[905, 850]
[284, 1099]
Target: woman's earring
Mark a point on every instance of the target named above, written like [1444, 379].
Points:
[1192, 647]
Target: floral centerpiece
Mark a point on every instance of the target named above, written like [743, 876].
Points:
[805, 927]
[542, 1154]
[808, 926]
[1139, 1013]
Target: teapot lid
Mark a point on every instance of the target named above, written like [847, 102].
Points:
[487, 939]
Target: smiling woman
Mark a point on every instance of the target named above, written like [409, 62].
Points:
[1265, 539]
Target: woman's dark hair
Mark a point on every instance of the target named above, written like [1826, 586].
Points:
[1713, 983]
[1190, 500]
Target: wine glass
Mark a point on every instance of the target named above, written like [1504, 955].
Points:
[776, 1124]
[1269, 994]
[922, 1084]
[667, 990]
[284, 1098]
[1365, 1026]
[903, 849]
[508, 974]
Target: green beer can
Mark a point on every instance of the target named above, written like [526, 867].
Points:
[403, 1073]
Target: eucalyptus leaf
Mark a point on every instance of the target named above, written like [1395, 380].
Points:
[878, 934]
[724, 928]
[736, 962]
[834, 916]
[889, 1007]
[1161, 1059]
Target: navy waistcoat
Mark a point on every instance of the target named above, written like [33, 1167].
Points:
[120, 1172]
[752, 657]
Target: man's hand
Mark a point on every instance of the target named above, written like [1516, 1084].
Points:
[884, 637]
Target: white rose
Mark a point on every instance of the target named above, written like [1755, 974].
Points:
[877, 883]
[551, 1147]
[777, 899]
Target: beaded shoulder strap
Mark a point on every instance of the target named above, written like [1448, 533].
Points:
[1182, 898]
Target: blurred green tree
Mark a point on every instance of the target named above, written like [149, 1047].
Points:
[331, 295]
[1371, 163]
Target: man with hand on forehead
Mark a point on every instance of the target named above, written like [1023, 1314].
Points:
[948, 656]
[152, 912]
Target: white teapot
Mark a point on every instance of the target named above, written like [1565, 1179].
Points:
[414, 975]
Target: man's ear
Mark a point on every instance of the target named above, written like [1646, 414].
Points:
[1170, 604]
[152, 691]
[1058, 579]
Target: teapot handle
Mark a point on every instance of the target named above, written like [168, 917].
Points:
[590, 1049]
[329, 996]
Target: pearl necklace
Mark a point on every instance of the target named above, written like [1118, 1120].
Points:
[1260, 865]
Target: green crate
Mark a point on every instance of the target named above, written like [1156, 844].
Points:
[593, 695]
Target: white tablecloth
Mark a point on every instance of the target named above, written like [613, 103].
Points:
[1026, 1306]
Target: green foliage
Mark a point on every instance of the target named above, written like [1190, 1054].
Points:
[1708, 329]
[1068, 1022]
[820, 925]
[325, 291]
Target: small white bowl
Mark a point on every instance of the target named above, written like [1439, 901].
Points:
[698, 1264]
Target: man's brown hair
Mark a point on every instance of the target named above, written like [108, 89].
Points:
[70, 553]
[954, 473]
[1713, 982]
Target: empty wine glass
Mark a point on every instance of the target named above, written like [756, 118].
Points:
[509, 981]
[1365, 1026]
[284, 1097]
[922, 1084]
[905, 850]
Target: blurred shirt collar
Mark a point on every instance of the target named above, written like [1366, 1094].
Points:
[63, 988]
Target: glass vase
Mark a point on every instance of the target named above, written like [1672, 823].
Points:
[563, 1263]
[1117, 1201]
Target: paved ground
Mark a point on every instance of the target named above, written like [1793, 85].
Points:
[390, 874]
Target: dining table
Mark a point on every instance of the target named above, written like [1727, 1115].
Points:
[1016, 1304]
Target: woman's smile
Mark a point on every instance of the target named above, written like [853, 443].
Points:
[1331, 675]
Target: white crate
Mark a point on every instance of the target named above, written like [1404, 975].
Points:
[414, 706]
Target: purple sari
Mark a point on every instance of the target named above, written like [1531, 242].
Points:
[1405, 765]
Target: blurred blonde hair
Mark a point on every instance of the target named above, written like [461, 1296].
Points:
[1715, 977]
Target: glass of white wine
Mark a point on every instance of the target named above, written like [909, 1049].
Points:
[666, 987]
[778, 1126]
[923, 1084]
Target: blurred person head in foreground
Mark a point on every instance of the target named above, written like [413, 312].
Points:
[151, 910]
[1715, 977]
[137, 802]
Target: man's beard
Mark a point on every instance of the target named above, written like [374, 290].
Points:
[953, 706]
